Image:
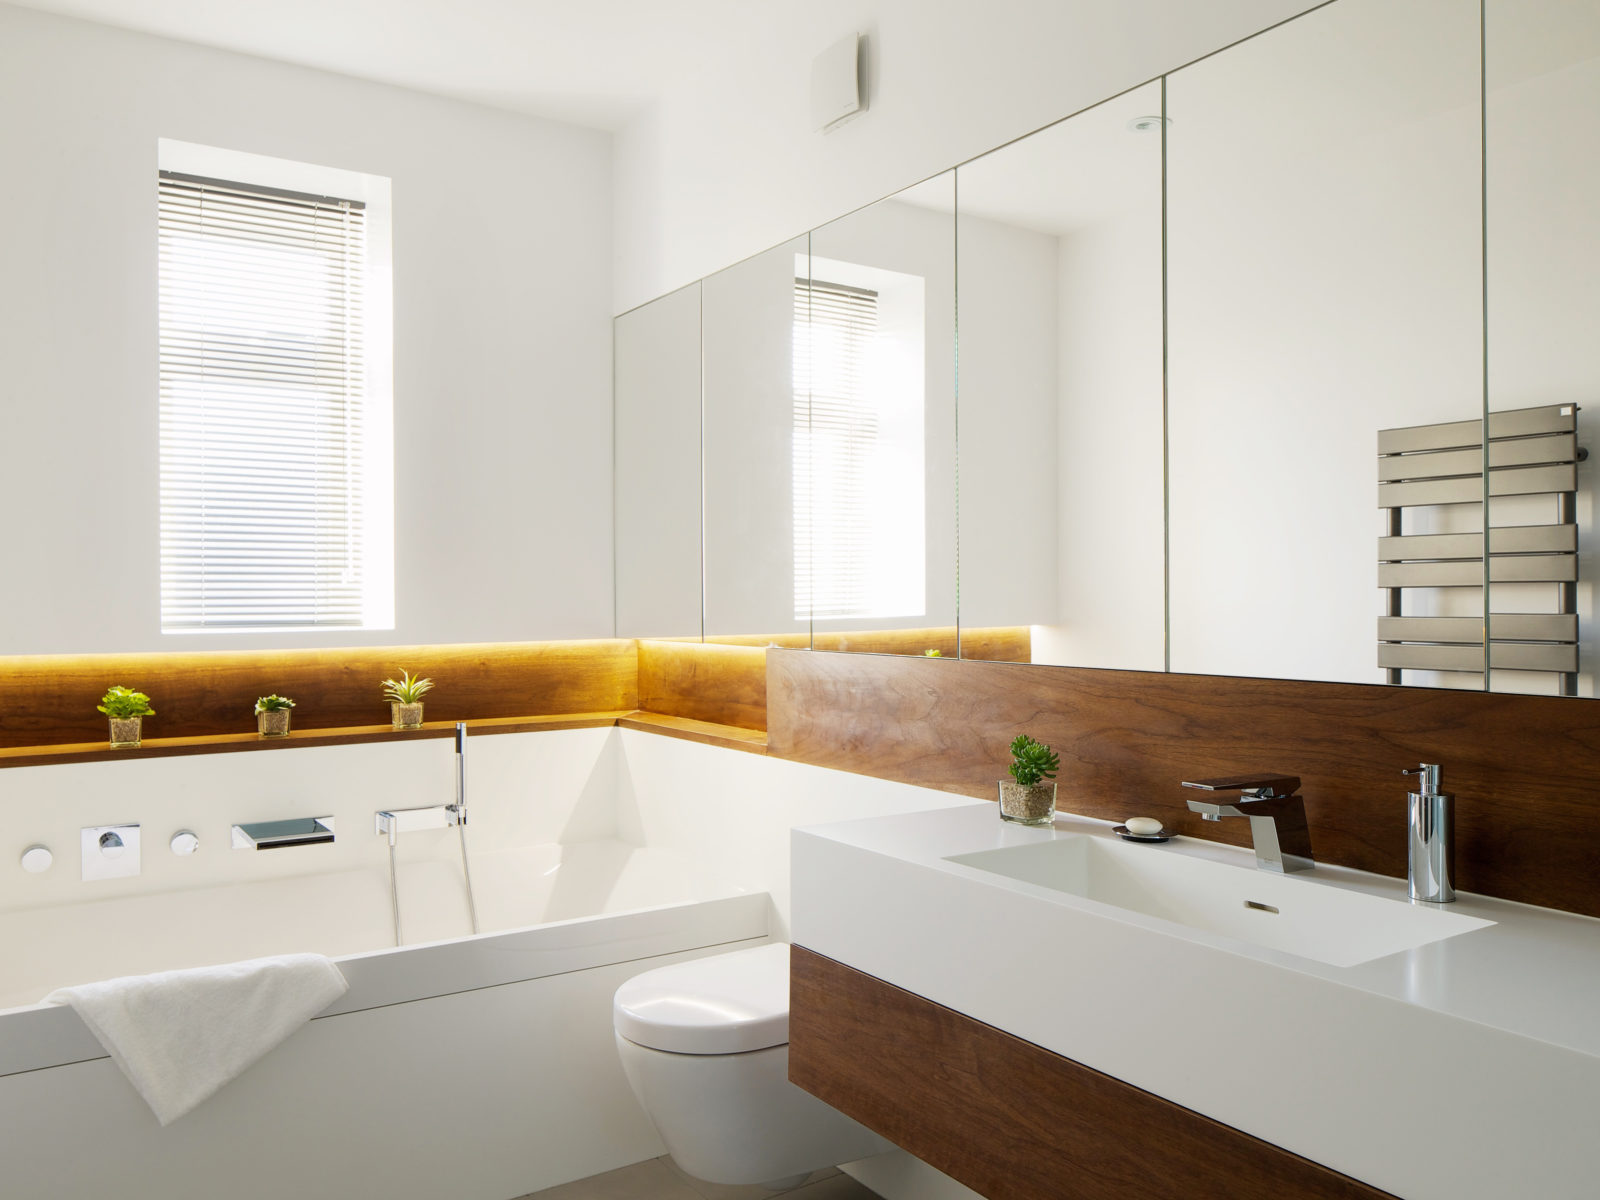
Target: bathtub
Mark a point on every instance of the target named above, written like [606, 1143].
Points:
[477, 1066]
[473, 1067]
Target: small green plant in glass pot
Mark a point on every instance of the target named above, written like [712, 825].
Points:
[126, 709]
[405, 700]
[272, 716]
[1029, 796]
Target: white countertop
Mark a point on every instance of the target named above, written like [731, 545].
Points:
[1467, 1067]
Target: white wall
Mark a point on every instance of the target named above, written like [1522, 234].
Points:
[734, 810]
[726, 164]
[502, 241]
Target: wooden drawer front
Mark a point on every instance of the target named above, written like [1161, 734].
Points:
[1012, 1120]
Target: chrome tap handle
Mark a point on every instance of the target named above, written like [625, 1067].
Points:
[1262, 787]
[1277, 816]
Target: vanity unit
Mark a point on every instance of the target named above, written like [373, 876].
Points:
[1055, 1012]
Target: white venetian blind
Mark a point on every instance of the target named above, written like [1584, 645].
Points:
[262, 384]
[835, 431]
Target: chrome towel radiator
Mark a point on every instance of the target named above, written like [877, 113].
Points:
[1531, 452]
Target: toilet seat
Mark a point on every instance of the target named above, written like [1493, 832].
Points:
[725, 1004]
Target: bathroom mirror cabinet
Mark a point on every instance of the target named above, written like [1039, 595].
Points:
[1376, 238]
[875, 420]
[748, 332]
[1323, 264]
[1346, 242]
[657, 456]
[1542, 243]
[1060, 431]
[786, 439]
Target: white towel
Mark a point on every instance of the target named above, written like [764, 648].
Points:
[180, 1035]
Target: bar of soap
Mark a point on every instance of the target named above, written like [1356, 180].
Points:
[1142, 826]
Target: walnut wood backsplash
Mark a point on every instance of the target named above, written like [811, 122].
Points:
[1005, 643]
[1525, 769]
[705, 681]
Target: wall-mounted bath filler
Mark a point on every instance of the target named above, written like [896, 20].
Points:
[392, 822]
[109, 851]
[275, 835]
[37, 859]
[184, 842]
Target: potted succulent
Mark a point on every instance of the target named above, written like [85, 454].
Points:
[272, 716]
[405, 700]
[127, 709]
[1029, 796]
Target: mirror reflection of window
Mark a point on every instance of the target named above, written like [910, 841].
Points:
[859, 472]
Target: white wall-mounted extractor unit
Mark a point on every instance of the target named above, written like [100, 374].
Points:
[836, 84]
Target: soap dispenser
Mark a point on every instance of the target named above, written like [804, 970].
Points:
[1430, 839]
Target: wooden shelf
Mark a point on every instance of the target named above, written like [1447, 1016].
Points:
[226, 743]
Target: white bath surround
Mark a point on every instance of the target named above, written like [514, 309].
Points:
[474, 1067]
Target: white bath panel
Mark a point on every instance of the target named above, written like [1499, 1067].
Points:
[475, 1096]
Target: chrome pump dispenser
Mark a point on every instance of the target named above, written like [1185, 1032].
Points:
[1430, 839]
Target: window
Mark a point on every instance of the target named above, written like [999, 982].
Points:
[834, 433]
[275, 496]
[859, 479]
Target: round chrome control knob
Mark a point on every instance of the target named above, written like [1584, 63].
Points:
[184, 842]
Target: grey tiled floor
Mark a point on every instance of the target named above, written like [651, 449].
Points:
[662, 1179]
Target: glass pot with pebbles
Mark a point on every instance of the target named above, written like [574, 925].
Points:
[1029, 796]
[272, 716]
[405, 700]
[126, 710]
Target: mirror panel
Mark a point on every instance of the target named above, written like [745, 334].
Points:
[1542, 81]
[748, 343]
[1324, 284]
[1059, 240]
[875, 427]
[657, 401]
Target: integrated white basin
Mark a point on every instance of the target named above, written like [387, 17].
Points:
[1280, 912]
[1350, 1026]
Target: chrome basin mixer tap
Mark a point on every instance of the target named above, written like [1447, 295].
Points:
[1276, 813]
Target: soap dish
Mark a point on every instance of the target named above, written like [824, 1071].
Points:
[1122, 832]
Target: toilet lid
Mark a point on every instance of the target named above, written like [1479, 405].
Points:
[722, 1004]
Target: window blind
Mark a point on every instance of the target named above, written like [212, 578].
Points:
[835, 431]
[262, 387]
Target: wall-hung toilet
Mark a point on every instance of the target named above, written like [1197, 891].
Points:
[705, 1045]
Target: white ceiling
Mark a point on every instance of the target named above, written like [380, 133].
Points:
[593, 62]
